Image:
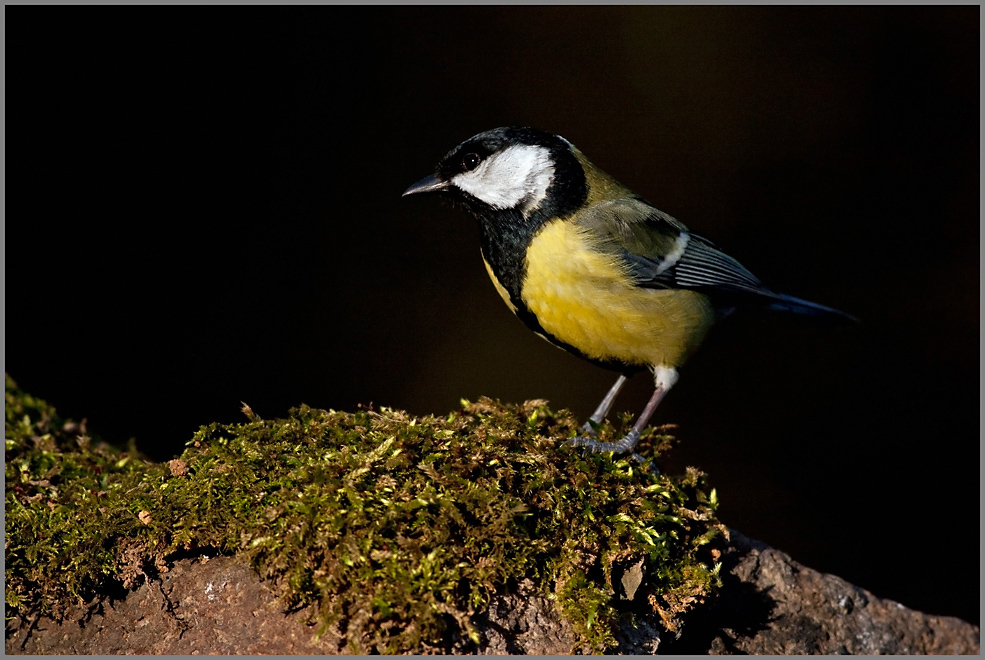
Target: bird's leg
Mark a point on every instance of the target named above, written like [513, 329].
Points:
[664, 379]
[599, 415]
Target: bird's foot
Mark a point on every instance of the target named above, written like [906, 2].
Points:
[624, 446]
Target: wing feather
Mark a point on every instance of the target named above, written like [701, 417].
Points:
[660, 252]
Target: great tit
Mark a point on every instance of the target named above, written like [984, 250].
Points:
[591, 266]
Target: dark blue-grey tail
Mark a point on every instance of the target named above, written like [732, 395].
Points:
[784, 303]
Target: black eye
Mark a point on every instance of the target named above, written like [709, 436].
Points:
[470, 161]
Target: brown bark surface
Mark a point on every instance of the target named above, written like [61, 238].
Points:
[769, 604]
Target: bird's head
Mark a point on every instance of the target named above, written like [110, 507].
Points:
[510, 169]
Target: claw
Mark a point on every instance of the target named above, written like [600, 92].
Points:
[623, 446]
[648, 465]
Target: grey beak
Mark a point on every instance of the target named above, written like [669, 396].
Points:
[427, 184]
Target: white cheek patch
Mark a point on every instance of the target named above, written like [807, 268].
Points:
[516, 177]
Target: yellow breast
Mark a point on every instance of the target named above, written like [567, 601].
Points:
[586, 299]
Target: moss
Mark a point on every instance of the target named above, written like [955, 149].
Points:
[396, 529]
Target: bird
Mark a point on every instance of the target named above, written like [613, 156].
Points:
[591, 266]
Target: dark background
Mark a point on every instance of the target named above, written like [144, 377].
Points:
[204, 208]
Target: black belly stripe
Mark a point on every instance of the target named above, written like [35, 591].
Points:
[504, 247]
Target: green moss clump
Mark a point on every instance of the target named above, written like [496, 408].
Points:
[396, 529]
[64, 521]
